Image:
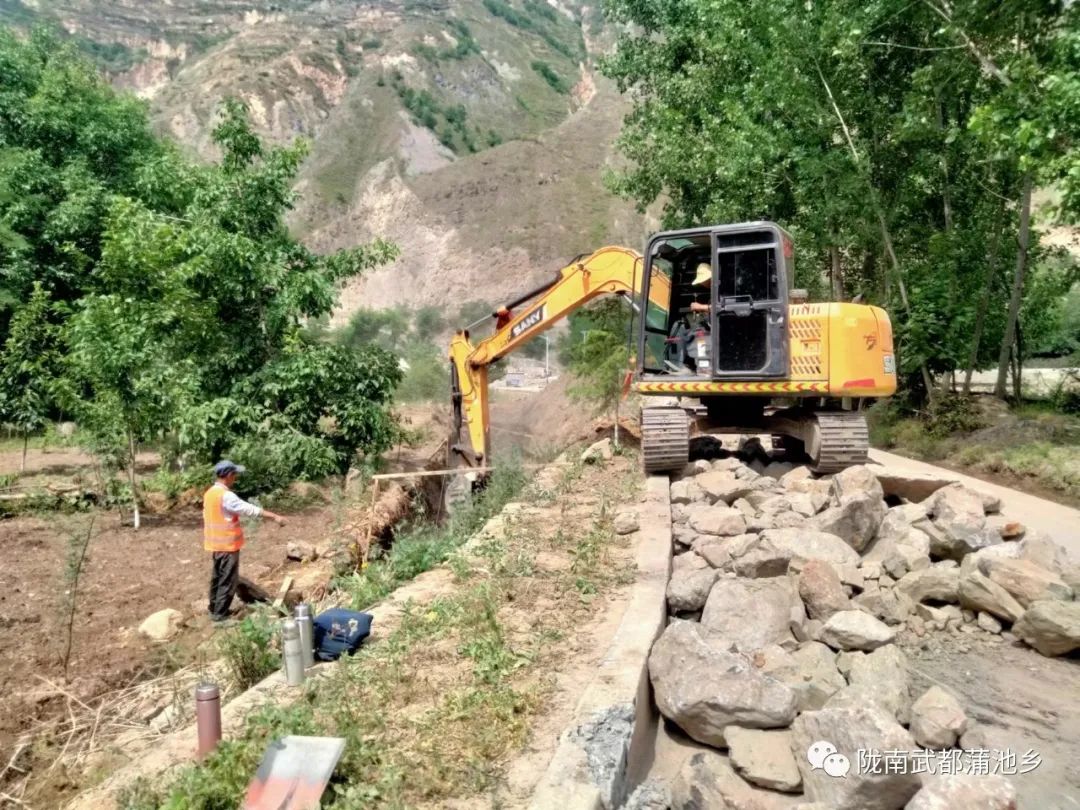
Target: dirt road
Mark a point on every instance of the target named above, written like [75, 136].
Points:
[1062, 523]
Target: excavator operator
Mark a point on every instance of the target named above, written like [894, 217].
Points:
[702, 285]
[682, 342]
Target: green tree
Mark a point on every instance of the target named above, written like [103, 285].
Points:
[28, 362]
[596, 354]
[67, 142]
[870, 129]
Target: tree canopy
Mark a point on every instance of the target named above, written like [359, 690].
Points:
[176, 293]
[895, 139]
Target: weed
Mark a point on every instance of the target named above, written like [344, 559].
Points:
[247, 649]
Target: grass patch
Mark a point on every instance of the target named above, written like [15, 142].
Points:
[1031, 442]
[434, 710]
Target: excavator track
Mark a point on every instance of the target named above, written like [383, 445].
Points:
[665, 439]
[842, 439]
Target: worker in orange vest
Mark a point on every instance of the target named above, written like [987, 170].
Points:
[224, 536]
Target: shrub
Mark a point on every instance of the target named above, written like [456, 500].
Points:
[554, 80]
[247, 651]
[953, 413]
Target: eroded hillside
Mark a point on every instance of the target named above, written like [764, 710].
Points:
[474, 133]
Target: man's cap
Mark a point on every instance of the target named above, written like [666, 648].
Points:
[704, 273]
[224, 467]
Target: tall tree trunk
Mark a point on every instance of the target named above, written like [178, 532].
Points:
[836, 280]
[1018, 364]
[131, 479]
[886, 236]
[1018, 287]
[25, 442]
[984, 300]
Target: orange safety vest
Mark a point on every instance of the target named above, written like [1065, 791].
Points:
[221, 532]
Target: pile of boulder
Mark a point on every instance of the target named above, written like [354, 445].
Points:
[791, 599]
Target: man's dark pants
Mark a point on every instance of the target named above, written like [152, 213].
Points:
[223, 581]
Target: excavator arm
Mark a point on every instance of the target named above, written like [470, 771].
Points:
[608, 271]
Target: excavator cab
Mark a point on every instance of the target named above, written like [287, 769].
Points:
[731, 324]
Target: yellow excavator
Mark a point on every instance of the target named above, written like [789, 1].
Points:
[721, 338]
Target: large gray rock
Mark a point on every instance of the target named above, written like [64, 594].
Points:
[707, 781]
[807, 544]
[800, 473]
[856, 630]
[1051, 627]
[689, 587]
[802, 504]
[625, 522]
[849, 730]
[909, 486]
[818, 489]
[938, 582]
[788, 520]
[716, 551]
[688, 491]
[1002, 551]
[937, 719]
[1025, 581]
[750, 613]
[810, 670]
[881, 677]
[722, 486]
[988, 623]
[1044, 552]
[652, 794]
[690, 560]
[764, 758]
[888, 604]
[717, 520]
[598, 452]
[855, 519]
[957, 513]
[821, 590]
[856, 482]
[965, 792]
[979, 592]
[704, 689]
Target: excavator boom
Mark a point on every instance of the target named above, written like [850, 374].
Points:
[608, 271]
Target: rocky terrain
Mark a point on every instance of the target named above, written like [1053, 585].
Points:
[799, 606]
[473, 134]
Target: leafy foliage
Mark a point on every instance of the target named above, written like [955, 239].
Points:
[173, 290]
[893, 136]
[247, 650]
[595, 351]
[28, 364]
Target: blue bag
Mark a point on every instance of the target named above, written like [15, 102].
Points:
[339, 631]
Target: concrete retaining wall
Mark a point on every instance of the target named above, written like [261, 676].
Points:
[608, 747]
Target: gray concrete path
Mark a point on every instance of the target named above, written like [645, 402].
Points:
[1061, 523]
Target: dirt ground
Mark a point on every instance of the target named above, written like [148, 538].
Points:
[126, 576]
[129, 574]
[1023, 701]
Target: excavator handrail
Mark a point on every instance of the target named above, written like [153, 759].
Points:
[607, 271]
